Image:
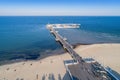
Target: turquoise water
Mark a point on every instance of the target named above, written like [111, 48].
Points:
[27, 37]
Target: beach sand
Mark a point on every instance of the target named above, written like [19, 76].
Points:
[36, 70]
[106, 54]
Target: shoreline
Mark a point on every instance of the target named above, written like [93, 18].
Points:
[53, 53]
[105, 54]
[39, 58]
[75, 46]
[41, 67]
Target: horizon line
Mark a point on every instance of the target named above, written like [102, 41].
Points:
[59, 15]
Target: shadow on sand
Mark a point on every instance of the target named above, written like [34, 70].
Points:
[52, 77]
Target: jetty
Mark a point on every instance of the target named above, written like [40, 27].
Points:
[64, 43]
[64, 25]
[79, 69]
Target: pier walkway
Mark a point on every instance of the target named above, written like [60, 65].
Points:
[66, 45]
[82, 70]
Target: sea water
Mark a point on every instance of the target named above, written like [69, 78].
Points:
[26, 37]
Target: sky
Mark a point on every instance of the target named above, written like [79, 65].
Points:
[59, 7]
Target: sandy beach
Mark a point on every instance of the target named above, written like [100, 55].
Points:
[106, 54]
[34, 70]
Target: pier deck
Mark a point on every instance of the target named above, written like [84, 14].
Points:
[81, 71]
[66, 45]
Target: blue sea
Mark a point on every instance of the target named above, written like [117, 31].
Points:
[26, 37]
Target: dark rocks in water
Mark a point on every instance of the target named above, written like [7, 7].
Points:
[77, 44]
[32, 56]
[17, 57]
[1, 52]
[27, 54]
